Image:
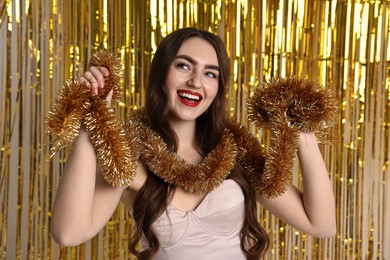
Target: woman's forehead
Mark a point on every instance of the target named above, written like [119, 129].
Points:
[199, 50]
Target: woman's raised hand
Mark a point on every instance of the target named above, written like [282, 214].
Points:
[94, 78]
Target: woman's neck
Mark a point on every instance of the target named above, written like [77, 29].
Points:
[186, 134]
[185, 131]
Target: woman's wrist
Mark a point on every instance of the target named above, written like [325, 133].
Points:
[307, 146]
[307, 139]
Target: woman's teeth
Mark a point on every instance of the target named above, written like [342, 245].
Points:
[189, 96]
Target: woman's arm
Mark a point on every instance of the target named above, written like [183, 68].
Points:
[84, 201]
[313, 210]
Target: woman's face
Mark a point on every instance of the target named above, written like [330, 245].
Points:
[192, 80]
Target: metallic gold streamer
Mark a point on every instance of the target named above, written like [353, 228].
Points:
[344, 44]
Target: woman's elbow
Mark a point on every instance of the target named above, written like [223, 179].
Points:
[64, 236]
[64, 239]
[325, 232]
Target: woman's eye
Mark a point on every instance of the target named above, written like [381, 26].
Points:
[182, 66]
[211, 75]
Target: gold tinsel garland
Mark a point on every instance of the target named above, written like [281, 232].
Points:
[286, 107]
[76, 104]
[192, 177]
[298, 103]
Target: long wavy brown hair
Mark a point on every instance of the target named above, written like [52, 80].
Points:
[152, 199]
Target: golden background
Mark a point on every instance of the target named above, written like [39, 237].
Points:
[343, 44]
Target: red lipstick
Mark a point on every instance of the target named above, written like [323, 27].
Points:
[189, 98]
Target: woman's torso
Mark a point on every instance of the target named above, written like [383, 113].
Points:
[211, 231]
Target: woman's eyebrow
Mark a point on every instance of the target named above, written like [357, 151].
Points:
[194, 62]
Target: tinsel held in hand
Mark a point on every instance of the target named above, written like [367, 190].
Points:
[287, 107]
[77, 106]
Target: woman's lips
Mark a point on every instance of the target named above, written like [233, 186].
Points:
[189, 98]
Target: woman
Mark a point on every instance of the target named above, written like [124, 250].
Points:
[177, 214]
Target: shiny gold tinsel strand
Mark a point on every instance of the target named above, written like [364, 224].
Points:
[76, 105]
[287, 107]
[192, 177]
[343, 44]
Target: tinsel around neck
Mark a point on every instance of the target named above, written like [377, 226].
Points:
[192, 177]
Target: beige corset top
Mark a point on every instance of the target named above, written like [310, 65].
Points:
[211, 231]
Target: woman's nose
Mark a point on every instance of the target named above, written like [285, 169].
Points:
[195, 80]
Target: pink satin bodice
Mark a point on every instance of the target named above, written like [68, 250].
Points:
[211, 231]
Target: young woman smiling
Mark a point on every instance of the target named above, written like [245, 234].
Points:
[190, 194]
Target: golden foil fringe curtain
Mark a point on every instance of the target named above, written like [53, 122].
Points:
[343, 44]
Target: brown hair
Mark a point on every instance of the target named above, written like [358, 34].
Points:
[152, 199]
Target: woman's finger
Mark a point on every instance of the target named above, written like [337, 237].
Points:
[92, 81]
[94, 78]
[99, 73]
[83, 80]
[104, 71]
